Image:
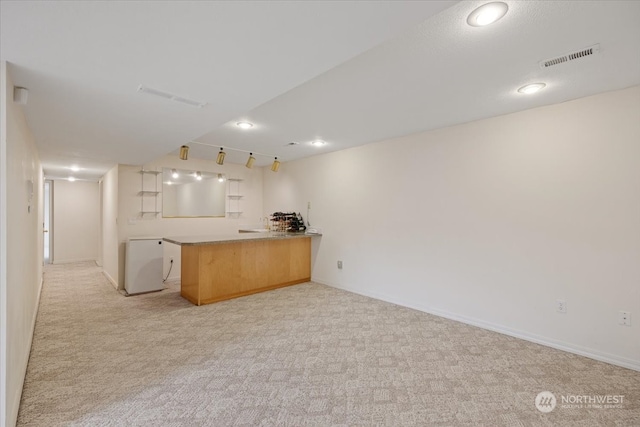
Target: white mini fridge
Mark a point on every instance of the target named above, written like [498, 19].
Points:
[143, 265]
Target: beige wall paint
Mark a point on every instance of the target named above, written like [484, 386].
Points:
[132, 224]
[109, 226]
[491, 222]
[76, 221]
[22, 264]
[3, 243]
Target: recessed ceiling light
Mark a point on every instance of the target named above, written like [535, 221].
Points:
[487, 14]
[531, 88]
[71, 179]
[74, 168]
[244, 125]
[318, 142]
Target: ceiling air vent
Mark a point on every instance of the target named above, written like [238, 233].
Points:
[582, 53]
[170, 96]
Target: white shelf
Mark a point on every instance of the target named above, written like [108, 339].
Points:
[151, 190]
[234, 198]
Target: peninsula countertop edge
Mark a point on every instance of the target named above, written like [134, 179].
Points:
[232, 238]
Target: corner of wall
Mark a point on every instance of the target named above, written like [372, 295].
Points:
[21, 213]
[3, 244]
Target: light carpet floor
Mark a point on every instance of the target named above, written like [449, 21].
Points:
[303, 355]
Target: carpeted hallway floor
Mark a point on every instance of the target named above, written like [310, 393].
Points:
[304, 355]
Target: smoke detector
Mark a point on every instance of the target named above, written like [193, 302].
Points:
[572, 56]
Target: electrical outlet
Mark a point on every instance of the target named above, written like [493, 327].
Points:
[561, 306]
[170, 259]
[624, 318]
[340, 265]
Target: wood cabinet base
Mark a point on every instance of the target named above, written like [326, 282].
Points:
[217, 272]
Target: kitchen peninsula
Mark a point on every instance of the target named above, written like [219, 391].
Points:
[217, 268]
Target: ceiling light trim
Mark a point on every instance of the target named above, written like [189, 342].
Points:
[531, 88]
[487, 14]
[244, 125]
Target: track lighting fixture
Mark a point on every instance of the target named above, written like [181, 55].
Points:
[198, 176]
[276, 165]
[220, 159]
[221, 155]
[184, 152]
[220, 177]
[250, 161]
[174, 174]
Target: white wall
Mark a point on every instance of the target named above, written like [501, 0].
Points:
[22, 251]
[109, 226]
[491, 222]
[76, 221]
[200, 198]
[132, 224]
[99, 260]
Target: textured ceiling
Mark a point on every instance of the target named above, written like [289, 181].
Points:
[444, 72]
[83, 61]
[350, 73]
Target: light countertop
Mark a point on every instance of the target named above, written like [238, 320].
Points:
[230, 238]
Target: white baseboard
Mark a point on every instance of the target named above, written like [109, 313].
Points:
[549, 342]
[173, 278]
[110, 279]
[69, 261]
[25, 365]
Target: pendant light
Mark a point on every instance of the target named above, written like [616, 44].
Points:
[250, 161]
[276, 165]
[184, 152]
[220, 159]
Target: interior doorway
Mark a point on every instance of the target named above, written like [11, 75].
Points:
[48, 223]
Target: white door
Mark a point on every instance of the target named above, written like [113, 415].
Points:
[48, 223]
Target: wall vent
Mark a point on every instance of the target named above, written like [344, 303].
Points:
[170, 96]
[572, 56]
